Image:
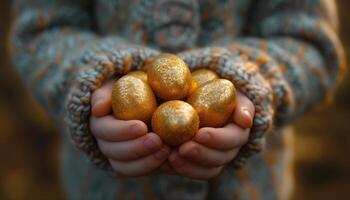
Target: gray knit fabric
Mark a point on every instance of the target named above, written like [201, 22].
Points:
[284, 55]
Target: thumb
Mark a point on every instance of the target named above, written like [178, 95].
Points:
[101, 100]
[244, 112]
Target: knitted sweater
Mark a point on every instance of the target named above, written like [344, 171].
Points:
[284, 55]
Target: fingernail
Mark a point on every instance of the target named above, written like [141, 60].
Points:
[94, 108]
[135, 130]
[162, 154]
[203, 137]
[150, 144]
[192, 153]
[247, 113]
[249, 117]
[98, 101]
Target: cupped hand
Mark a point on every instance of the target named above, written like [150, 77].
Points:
[130, 149]
[211, 149]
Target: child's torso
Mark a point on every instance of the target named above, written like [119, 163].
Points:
[172, 24]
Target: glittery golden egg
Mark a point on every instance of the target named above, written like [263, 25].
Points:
[201, 76]
[139, 74]
[175, 122]
[133, 98]
[169, 77]
[214, 102]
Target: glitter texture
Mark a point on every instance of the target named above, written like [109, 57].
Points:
[214, 102]
[169, 77]
[175, 122]
[132, 98]
[140, 75]
[201, 76]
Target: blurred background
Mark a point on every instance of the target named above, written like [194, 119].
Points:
[29, 144]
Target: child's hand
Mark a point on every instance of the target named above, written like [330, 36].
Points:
[127, 145]
[205, 156]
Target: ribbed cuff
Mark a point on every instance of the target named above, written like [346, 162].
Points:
[271, 70]
[248, 80]
[102, 62]
[99, 64]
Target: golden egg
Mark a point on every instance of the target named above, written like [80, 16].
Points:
[175, 122]
[201, 76]
[169, 77]
[139, 74]
[133, 98]
[214, 102]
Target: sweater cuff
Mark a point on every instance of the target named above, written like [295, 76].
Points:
[271, 70]
[99, 63]
[247, 79]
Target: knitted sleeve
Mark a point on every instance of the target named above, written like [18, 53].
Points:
[295, 46]
[61, 61]
[297, 41]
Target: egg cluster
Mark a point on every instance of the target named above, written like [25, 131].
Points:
[186, 100]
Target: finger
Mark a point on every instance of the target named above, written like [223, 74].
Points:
[143, 166]
[101, 100]
[131, 149]
[205, 156]
[229, 137]
[191, 170]
[110, 129]
[244, 112]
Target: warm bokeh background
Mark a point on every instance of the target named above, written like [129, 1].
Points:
[29, 144]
